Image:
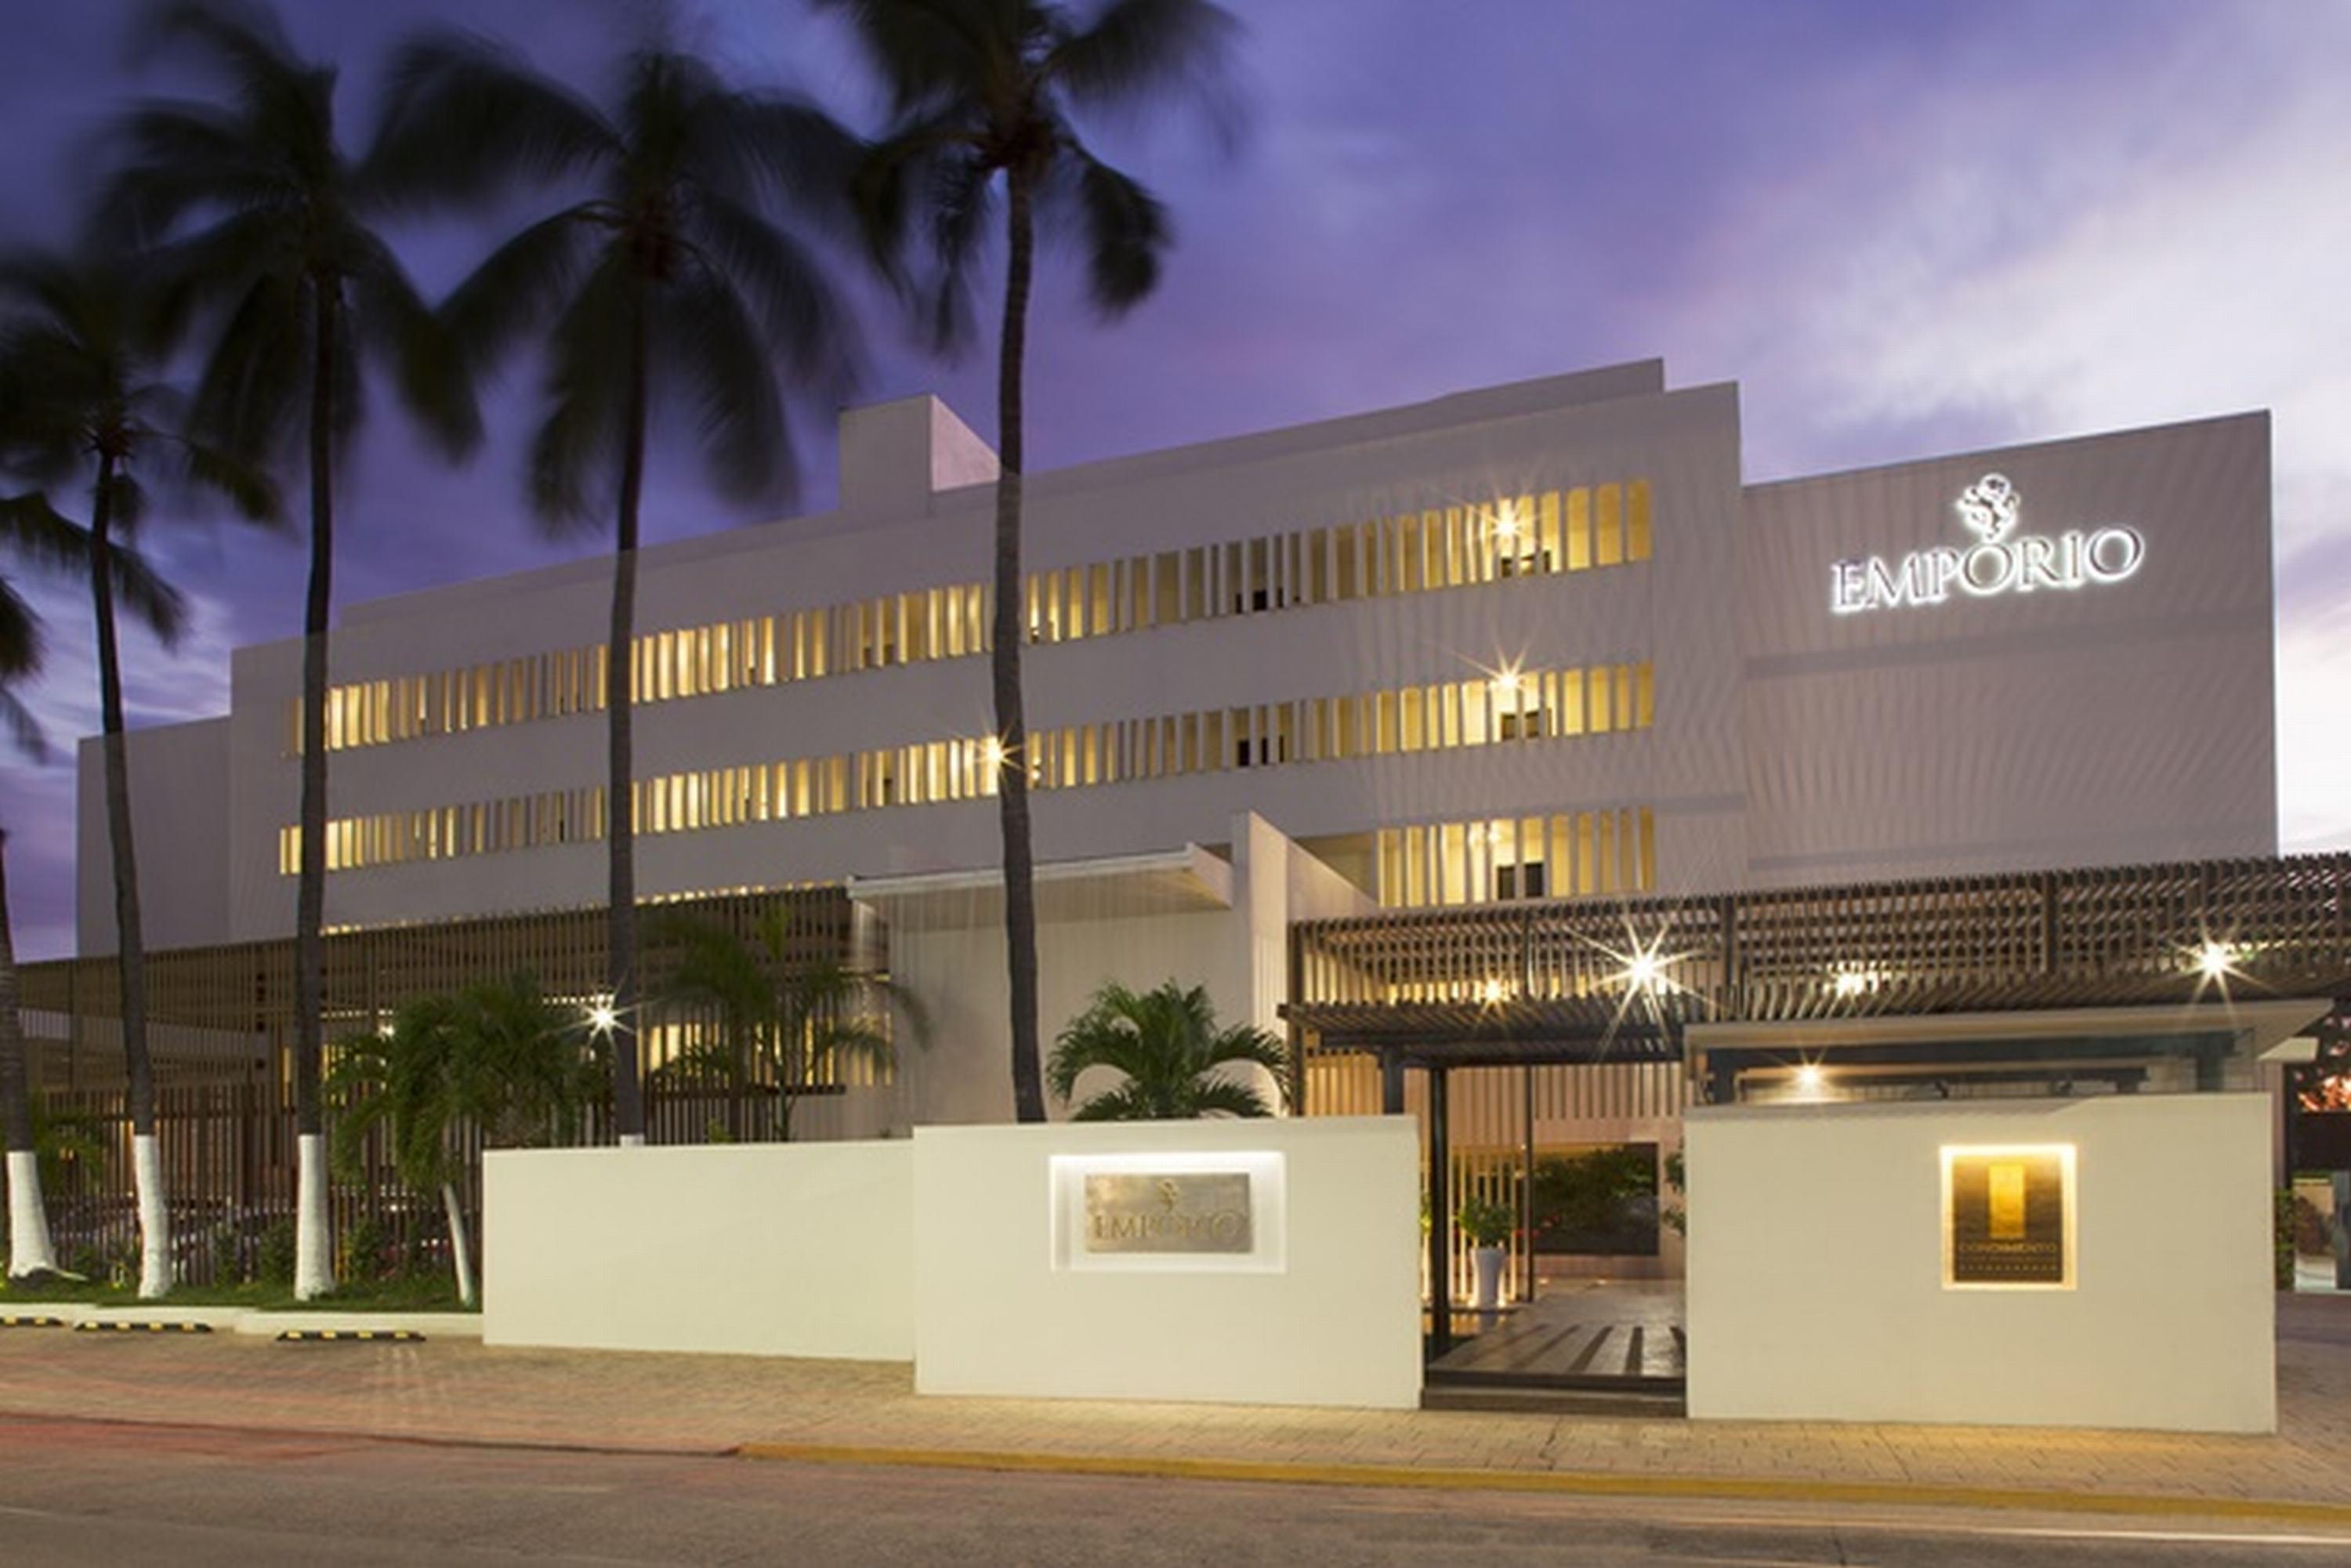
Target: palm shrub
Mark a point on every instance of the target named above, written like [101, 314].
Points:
[669, 276]
[784, 1024]
[1176, 1062]
[496, 1057]
[81, 406]
[254, 219]
[984, 95]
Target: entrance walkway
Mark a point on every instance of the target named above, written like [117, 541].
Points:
[1577, 1335]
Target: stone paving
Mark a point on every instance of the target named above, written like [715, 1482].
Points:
[455, 1391]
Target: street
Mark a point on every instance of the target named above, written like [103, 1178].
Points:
[96, 1493]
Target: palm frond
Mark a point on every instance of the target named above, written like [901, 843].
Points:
[140, 590]
[1126, 232]
[431, 373]
[1224, 1097]
[929, 51]
[1138, 50]
[588, 370]
[20, 636]
[35, 532]
[463, 117]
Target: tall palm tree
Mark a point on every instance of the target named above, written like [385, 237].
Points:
[80, 403]
[498, 1056]
[986, 93]
[667, 277]
[260, 220]
[1166, 1047]
[780, 1020]
[33, 534]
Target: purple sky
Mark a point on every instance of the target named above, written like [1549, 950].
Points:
[1906, 229]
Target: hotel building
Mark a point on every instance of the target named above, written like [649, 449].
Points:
[1539, 647]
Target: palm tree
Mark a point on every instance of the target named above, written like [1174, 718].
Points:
[260, 220]
[781, 1022]
[497, 1056]
[1167, 1045]
[983, 91]
[668, 277]
[30, 1255]
[79, 403]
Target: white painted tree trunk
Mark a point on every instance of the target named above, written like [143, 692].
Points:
[314, 1262]
[29, 1251]
[633, 1140]
[460, 1248]
[154, 1221]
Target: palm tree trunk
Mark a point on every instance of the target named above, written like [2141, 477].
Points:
[460, 1244]
[1011, 627]
[131, 947]
[313, 1242]
[29, 1252]
[621, 827]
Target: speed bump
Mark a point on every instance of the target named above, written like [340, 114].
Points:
[317, 1336]
[129, 1325]
[14, 1321]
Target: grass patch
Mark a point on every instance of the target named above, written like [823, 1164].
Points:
[410, 1295]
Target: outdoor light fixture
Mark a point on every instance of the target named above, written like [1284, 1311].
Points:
[1856, 982]
[1506, 522]
[1492, 993]
[2213, 961]
[1645, 972]
[601, 1018]
[1507, 680]
[1810, 1081]
[991, 753]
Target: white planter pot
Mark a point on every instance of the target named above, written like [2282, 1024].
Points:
[1489, 1262]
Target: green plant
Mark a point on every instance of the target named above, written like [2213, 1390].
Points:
[1167, 1045]
[1676, 1214]
[2282, 1237]
[364, 1247]
[1598, 1200]
[220, 1245]
[1484, 1221]
[273, 1260]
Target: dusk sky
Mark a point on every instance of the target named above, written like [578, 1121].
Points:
[1905, 229]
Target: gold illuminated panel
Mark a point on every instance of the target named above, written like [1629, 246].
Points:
[2008, 1217]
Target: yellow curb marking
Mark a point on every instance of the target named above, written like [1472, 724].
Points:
[22, 1322]
[302, 1336]
[117, 1326]
[1570, 1482]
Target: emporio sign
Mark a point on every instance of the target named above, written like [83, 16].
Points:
[2000, 560]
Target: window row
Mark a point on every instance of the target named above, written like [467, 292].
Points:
[1543, 705]
[1577, 854]
[1548, 532]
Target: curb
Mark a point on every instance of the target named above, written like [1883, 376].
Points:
[140, 1325]
[1569, 1483]
[349, 1336]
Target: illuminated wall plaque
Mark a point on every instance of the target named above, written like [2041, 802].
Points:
[1191, 1212]
[1174, 1211]
[2008, 1218]
[2000, 561]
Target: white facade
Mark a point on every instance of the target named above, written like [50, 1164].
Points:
[1541, 623]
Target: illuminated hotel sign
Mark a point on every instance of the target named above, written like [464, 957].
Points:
[2002, 560]
[2008, 1218]
[1186, 1212]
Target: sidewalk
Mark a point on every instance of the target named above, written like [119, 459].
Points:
[455, 1391]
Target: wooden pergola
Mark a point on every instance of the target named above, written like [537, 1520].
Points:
[2060, 977]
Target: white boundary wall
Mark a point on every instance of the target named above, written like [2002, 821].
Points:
[747, 1249]
[1817, 1268]
[1324, 1311]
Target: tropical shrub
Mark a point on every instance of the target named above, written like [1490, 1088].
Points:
[1176, 1062]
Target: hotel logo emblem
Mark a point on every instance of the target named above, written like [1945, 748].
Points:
[2002, 560]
